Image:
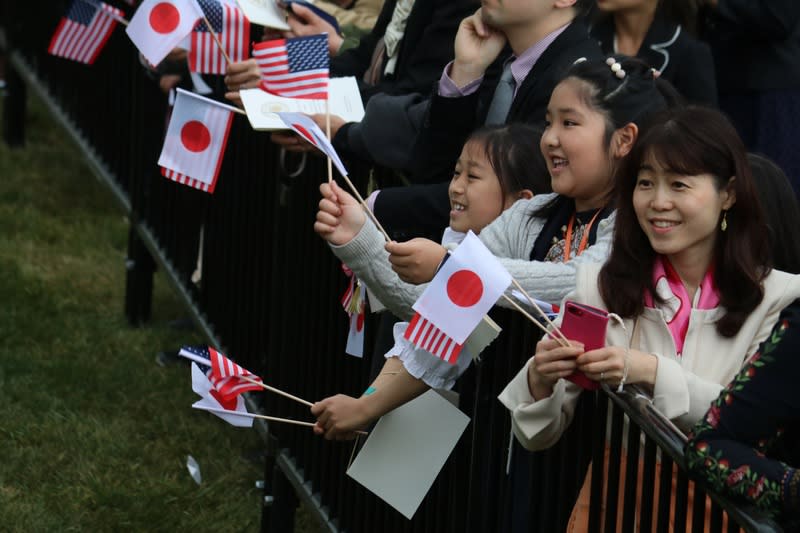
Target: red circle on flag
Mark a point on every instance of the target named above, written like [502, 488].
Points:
[195, 137]
[164, 18]
[464, 288]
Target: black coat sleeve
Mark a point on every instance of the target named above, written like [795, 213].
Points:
[696, 78]
[770, 20]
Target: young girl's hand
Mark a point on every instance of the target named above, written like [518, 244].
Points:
[551, 362]
[340, 416]
[415, 261]
[340, 216]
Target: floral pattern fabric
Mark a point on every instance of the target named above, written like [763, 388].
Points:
[748, 444]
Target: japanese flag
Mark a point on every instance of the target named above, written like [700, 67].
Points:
[210, 400]
[196, 138]
[355, 334]
[308, 129]
[465, 288]
[159, 25]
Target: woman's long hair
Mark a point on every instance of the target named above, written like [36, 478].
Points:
[691, 141]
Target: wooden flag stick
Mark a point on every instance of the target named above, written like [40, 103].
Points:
[276, 391]
[216, 39]
[529, 317]
[370, 214]
[328, 133]
[542, 313]
[263, 417]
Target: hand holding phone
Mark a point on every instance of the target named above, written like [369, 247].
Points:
[586, 324]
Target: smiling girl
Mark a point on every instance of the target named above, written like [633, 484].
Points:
[592, 125]
[495, 169]
[689, 272]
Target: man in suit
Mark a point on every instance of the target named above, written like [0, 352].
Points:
[535, 42]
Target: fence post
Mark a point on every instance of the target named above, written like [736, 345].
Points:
[14, 109]
[139, 281]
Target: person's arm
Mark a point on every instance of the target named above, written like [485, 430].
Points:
[371, 141]
[539, 423]
[729, 447]
[771, 20]
[338, 417]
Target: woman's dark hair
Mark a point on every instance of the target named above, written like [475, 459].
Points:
[630, 99]
[514, 155]
[691, 141]
[781, 210]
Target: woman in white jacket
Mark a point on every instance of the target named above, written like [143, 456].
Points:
[689, 273]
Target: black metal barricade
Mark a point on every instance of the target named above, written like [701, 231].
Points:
[267, 290]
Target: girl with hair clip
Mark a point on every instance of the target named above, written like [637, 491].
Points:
[689, 273]
[592, 124]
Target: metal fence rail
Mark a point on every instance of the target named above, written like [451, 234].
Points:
[268, 295]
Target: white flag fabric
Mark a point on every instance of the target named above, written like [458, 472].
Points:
[355, 334]
[465, 288]
[308, 129]
[158, 26]
[202, 386]
[196, 138]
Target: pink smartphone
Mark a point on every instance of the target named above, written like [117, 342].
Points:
[586, 324]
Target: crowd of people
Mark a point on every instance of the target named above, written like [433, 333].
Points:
[603, 152]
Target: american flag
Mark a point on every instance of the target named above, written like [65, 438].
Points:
[294, 68]
[186, 180]
[233, 31]
[224, 374]
[423, 334]
[84, 30]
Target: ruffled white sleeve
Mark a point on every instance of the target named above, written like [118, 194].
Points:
[435, 372]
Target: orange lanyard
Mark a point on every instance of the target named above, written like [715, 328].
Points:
[584, 238]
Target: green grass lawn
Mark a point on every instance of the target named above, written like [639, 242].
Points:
[94, 435]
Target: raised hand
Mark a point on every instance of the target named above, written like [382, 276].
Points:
[477, 46]
[340, 216]
[303, 22]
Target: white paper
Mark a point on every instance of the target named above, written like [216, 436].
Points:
[194, 469]
[343, 96]
[265, 13]
[407, 450]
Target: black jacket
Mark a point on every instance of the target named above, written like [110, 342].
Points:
[683, 61]
[756, 44]
[451, 120]
[422, 210]
[426, 47]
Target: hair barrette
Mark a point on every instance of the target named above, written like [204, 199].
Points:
[616, 67]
